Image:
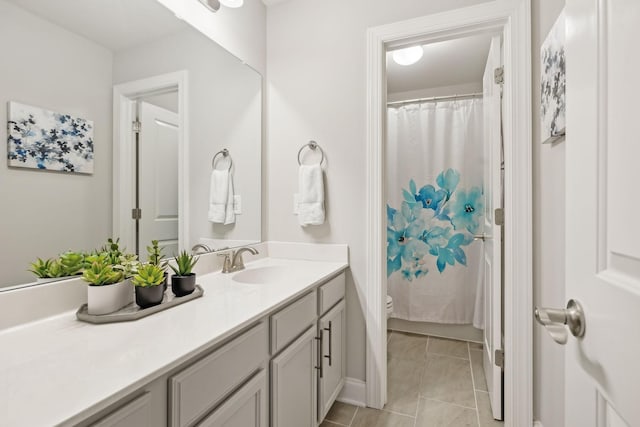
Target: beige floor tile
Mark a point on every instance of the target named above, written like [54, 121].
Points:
[326, 423]
[432, 413]
[367, 417]
[475, 346]
[448, 379]
[341, 413]
[407, 346]
[448, 347]
[479, 380]
[403, 385]
[484, 410]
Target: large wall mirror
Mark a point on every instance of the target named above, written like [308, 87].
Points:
[146, 115]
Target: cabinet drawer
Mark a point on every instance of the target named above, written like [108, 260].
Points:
[194, 391]
[246, 408]
[291, 321]
[134, 414]
[330, 293]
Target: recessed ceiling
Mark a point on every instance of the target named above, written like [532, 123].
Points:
[270, 2]
[114, 24]
[447, 63]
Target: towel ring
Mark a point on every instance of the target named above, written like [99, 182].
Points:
[312, 145]
[225, 153]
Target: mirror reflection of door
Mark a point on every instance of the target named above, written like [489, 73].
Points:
[157, 174]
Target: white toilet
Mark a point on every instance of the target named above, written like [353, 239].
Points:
[389, 306]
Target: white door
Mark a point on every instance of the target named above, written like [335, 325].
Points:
[158, 178]
[492, 252]
[602, 205]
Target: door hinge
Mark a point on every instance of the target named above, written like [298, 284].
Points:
[498, 358]
[498, 75]
[136, 125]
[498, 216]
[136, 214]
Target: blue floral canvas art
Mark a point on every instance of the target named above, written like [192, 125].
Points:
[553, 84]
[43, 139]
[432, 221]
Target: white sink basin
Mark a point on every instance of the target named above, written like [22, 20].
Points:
[262, 275]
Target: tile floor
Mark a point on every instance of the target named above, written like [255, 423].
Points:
[432, 382]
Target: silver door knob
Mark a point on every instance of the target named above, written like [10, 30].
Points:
[554, 319]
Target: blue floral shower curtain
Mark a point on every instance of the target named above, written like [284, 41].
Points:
[434, 207]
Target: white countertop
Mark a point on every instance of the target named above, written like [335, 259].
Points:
[58, 370]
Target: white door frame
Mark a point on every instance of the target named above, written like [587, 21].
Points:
[513, 18]
[123, 179]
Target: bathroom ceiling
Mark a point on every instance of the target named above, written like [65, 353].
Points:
[136, 22]
[447, 63]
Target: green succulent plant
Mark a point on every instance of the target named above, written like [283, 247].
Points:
[71, 263]
[128, 264]
[184, 264]
[41, 267]
[113, 251]
[101, 272]
[148, 275]
[155, 256]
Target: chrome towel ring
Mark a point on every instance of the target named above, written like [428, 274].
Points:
[225, 154]
[312, 145]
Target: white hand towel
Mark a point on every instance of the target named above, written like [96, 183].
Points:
[310, 195]
[221, 197]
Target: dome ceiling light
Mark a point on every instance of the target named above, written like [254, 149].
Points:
[408, 56]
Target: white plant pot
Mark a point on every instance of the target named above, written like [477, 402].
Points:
[109, 298]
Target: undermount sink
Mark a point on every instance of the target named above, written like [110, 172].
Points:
[262, 275]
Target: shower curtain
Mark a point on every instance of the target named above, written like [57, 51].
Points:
[434, 165]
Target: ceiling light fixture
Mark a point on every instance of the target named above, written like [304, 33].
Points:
[212, 5]
[408, 56]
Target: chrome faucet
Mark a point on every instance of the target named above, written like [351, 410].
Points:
[194, 249]
[233, 260]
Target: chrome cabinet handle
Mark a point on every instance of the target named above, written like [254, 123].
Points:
[319, 354]
[330, 329]
[554, 320]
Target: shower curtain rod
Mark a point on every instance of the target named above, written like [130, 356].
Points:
[435, 98]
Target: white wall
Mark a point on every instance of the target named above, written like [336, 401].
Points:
[45, 213]
[240, 31]
[548, 244]
[461, 89]
[224, 112]
[316, 53]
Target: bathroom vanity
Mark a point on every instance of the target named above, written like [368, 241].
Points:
[263, 346]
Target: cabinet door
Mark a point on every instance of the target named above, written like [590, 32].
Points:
[294, 382]
[133, 414]
[332, 327]
[246, 408]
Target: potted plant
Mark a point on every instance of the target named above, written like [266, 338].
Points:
[108, 291]
[148, 284]
[183, 282]
[67, 265]
[156, 258]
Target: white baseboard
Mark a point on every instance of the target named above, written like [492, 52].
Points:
[537, 424]
[354, 392]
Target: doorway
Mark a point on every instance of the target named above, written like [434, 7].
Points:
[443, 161]
[151, 188]
[510, 19]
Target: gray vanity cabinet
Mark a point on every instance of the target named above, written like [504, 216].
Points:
[136, 413]
[293, 383]
[246, 408]
[332, 374]
[308, 374]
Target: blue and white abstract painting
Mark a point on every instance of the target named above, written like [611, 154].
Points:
[553, 83]
[43, 139]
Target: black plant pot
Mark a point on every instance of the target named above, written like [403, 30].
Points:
[183, 285]
[164, 284]
[149, 296]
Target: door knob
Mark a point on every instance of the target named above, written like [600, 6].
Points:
[554, 319]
